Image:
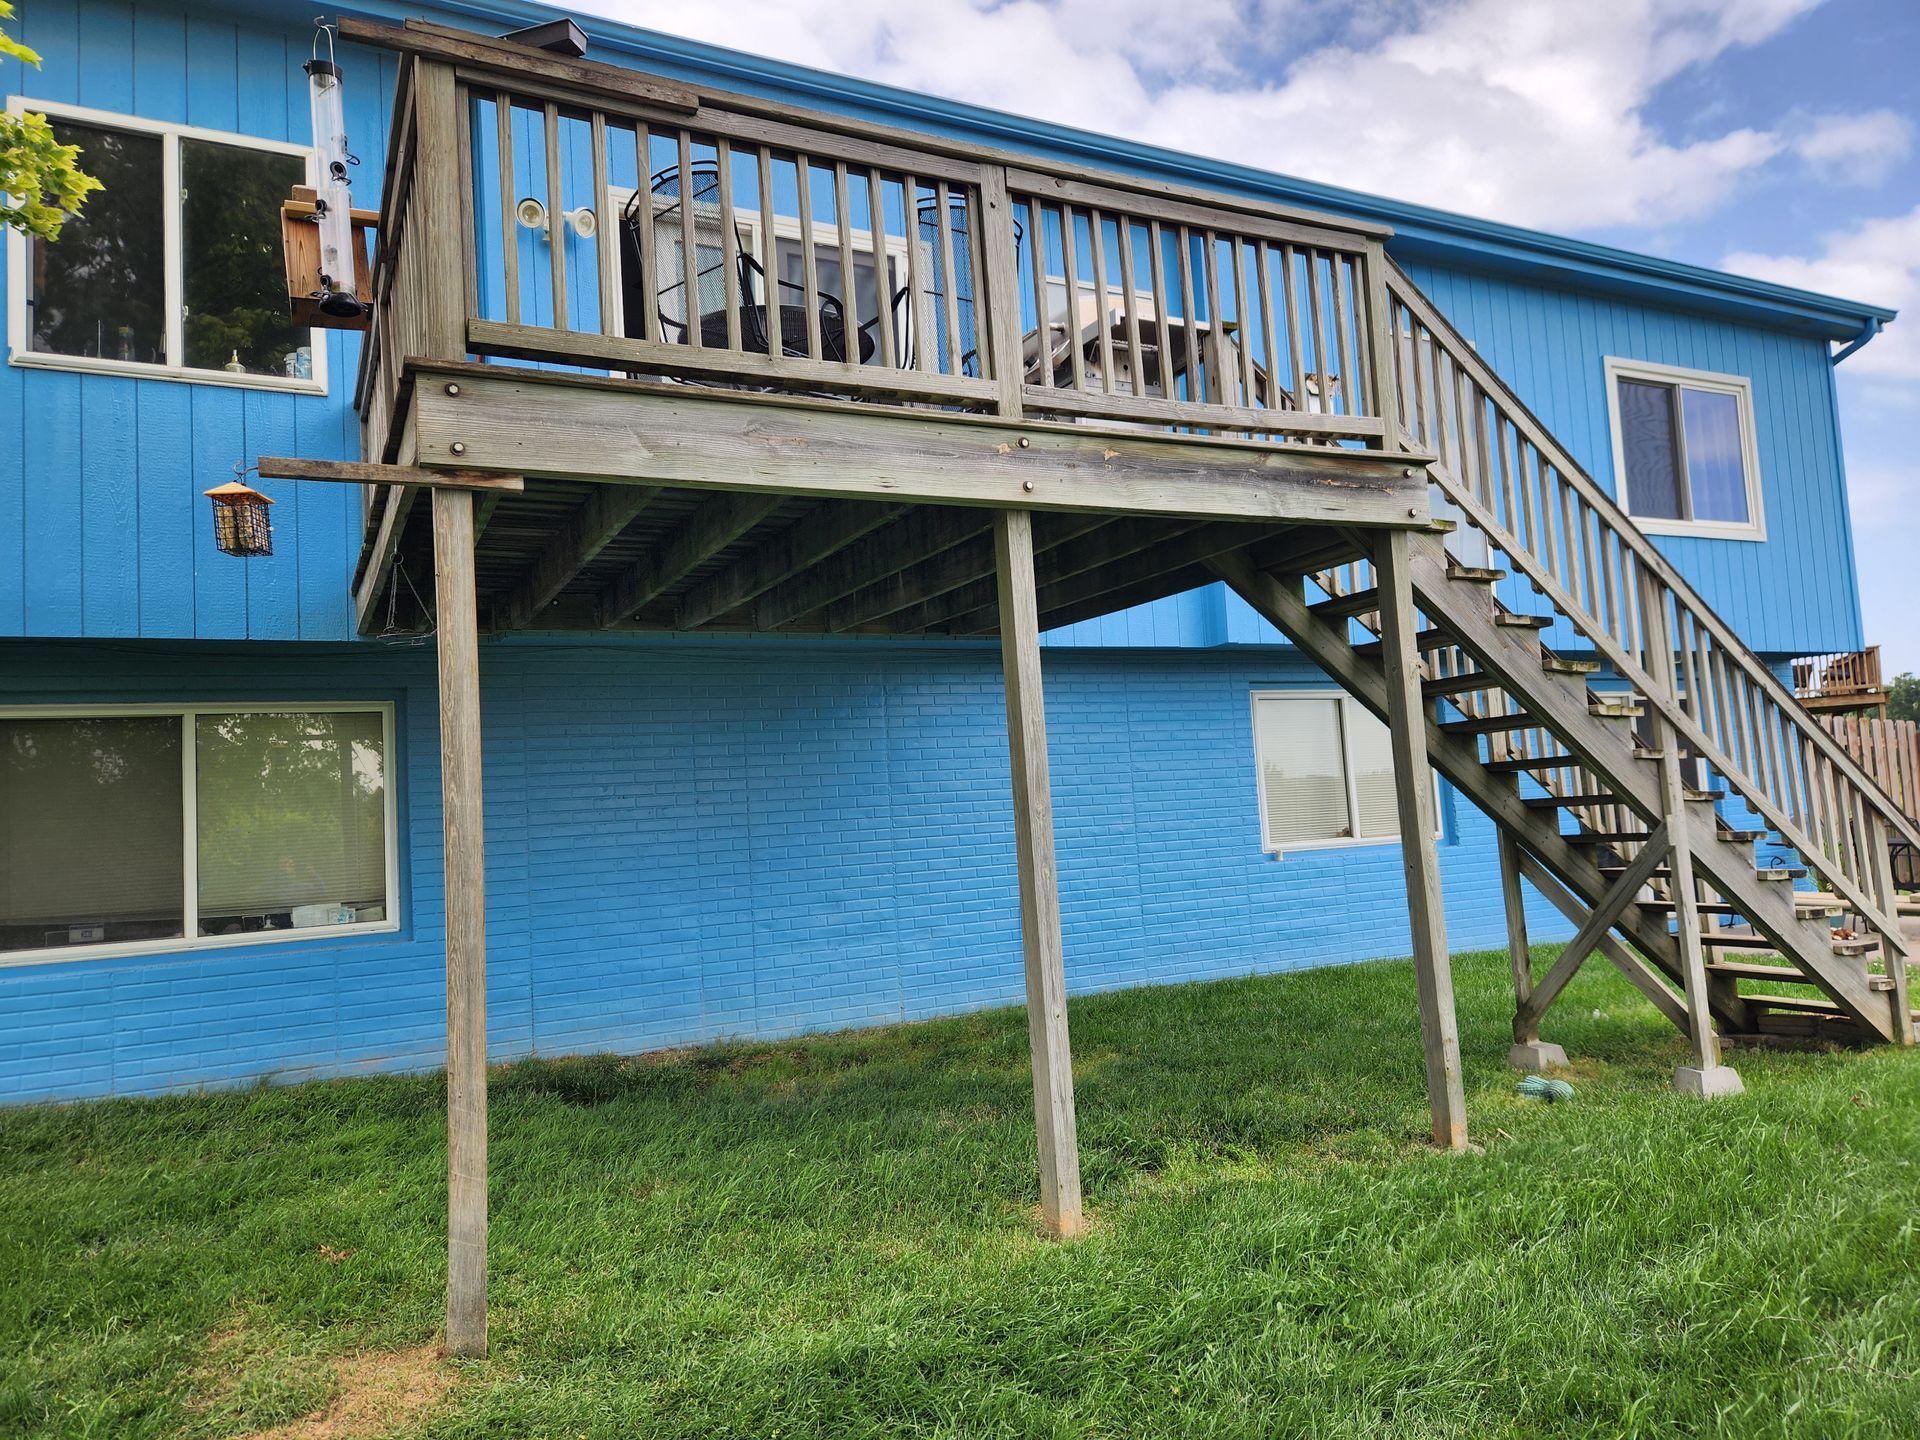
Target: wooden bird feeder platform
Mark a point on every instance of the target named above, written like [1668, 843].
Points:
[300, 241]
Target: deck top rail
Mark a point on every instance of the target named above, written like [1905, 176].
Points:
[560, 213]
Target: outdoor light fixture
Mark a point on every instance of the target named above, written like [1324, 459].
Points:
[333, 210]
[532, 215]
[240, 522]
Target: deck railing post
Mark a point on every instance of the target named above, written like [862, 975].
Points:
[1001, 303]
[1381, 343]
[458, 645]
[437, 209]
[1039, 883]
[1413, 795]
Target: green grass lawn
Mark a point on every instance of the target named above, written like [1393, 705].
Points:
[836, 1237]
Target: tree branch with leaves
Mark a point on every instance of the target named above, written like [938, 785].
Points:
[41, 181]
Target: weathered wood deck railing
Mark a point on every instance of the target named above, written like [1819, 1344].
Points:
[704, 239]
[1849, 680]
[1533, 502]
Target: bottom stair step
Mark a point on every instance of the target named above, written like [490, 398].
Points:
[1805, 1004]
[1748, 970]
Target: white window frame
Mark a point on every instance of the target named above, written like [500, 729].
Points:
[1346, 704]
[20, 351]
[189, 820]
[1738, 386]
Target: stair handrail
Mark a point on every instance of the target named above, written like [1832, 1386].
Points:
[1866, 882]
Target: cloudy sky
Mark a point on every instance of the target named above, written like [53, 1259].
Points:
[1772, 137]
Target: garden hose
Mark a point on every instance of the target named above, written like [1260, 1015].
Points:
[1539, 1087]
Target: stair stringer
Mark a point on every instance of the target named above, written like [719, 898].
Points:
[1607, 748]
[1458, 760]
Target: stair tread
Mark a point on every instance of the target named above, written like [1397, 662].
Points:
[1721, 907]
[1560, 665]
[1442, 685]
[1425, 640]
[1554, 802]
[1477, 574]
[1359, 602]
[1525, 764]
[1748, 970]
[1522, 622]
[1818, 1005]
[1490, 724]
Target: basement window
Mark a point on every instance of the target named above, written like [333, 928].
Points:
[1685, 458]
[173, 268]
[1325, 767]
[137, 828]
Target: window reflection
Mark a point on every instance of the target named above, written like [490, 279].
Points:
[100, 289]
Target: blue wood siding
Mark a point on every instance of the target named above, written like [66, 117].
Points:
[103, 531]
[1795, 592]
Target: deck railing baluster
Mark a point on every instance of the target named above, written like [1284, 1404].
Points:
[882, 267]
[1097, 236]
[809, 276]
[729, 239]
[556, 227]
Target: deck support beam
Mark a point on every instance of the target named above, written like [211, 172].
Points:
[1706, 1078]
[1040, 935]
[1413, 796]
[1529, 1052]
[458, 644]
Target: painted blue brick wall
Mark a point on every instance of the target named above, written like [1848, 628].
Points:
[691, 842]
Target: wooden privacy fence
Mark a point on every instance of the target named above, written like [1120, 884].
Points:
[1888, 750]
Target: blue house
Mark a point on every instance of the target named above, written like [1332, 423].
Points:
[729, 430]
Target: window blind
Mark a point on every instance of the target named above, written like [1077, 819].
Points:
[1302, 759]
[1370, 756]
[90, 829]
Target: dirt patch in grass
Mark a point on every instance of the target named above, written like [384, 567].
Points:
[374, 1393]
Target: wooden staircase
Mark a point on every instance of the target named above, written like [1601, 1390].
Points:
[1632, 766]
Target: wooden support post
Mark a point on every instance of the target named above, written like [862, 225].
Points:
[466, 906]
[1706, 1077]
[1039, 884]
[1413, 793]
[1892, 948]
[1528, 1051]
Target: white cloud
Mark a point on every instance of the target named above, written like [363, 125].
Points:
[1531, 111]
[1877, 261]
[1856, 149]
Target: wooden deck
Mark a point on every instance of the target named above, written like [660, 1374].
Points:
[697, 457]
